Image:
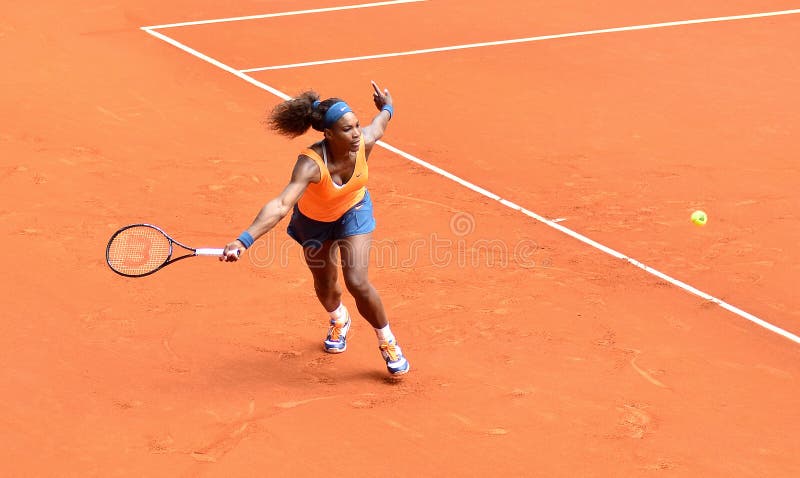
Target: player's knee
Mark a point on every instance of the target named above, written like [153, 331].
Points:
[326, 285]
[357, 284]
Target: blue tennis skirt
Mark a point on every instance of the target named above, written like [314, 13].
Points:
[310, 233]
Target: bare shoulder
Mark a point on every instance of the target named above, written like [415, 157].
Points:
[316, 147]
[306, 170]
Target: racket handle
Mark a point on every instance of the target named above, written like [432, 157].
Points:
[208, 252]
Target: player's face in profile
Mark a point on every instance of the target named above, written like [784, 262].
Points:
[346, 131]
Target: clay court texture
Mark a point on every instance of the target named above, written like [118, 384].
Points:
[534, 250]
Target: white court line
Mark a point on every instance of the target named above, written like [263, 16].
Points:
[216, 63]
[505, 202]
[281, 14]
[596, 245]
[521, 40]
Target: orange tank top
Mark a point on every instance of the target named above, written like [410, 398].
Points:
[326, 201]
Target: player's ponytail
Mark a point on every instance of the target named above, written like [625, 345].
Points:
[293, 117]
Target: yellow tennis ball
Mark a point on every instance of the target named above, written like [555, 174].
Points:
[700, 218]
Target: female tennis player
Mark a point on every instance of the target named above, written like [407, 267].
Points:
[331, 211]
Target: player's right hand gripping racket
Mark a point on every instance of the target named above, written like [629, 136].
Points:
[141, 249]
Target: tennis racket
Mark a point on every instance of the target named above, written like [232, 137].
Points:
[141, 249]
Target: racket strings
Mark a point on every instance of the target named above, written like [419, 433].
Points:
[138, 250]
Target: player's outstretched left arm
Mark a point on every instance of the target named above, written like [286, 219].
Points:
[375, 130]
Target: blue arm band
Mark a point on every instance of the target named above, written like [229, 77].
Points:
[390, 109]
[246, 239]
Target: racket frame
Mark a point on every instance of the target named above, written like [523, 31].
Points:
[205, 251]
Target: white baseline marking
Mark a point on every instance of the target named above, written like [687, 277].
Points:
[521, 40]
[505, 202]
[281, 14]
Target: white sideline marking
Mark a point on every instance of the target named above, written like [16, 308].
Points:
[521, 40]
[281, 14]
[216, 63]
[597, 245]
[505, 202]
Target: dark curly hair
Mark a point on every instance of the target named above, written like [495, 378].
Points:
[293, 117]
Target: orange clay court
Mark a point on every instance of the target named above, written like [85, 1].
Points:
[534, 351]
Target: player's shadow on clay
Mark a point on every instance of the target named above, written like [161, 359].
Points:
[305, 366]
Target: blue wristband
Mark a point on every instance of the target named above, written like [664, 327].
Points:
[246, 239]
[390, 109]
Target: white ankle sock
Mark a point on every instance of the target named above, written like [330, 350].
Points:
[385, 334]
[340, 314]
